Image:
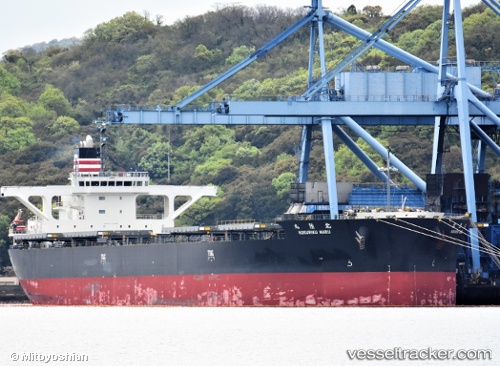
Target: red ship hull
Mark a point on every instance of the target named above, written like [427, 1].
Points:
[256, 289]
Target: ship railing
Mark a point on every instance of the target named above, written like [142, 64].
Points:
[112, 174]
[243, 237]
[382, 186]
[390, 98]
[237, 221]
[306, 217]
[40, 245]
[17, 230]
[381, 207]
[232, 237]
[149, 216]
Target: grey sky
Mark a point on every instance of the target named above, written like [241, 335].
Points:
[25, 22]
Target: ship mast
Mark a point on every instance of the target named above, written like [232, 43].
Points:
[102, 141]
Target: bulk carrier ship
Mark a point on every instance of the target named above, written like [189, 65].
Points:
[87, 245]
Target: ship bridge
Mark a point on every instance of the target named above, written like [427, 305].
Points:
[447, 93]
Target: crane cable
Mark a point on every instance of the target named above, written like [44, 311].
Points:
[488, 248]
[493, 251]
[434, 234]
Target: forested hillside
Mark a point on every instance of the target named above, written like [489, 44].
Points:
[50, 99]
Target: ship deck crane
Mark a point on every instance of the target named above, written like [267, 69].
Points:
[456, 102]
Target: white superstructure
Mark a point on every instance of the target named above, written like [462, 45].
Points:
[97, 201]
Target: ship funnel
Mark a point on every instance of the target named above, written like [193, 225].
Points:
[87, 159]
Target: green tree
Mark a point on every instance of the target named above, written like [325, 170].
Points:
[350, 169]
[63, 126]
[246, 154]
[129, 27]
[37, 113]
[239, 54]
[204, 151]
[294, 84]
[16, 134]
[156, 160]
[203, 54]
[13, 56]
[249, 90]
[53, 99]
[8, 82]
[144, 69]
[269, 87]
[418, 19]
[409, 41]
[203, 142]
[429, 42]
[373, 11]
[4, 230]
[12, 107]
[202, 212]
[282, 184]
[206, 172]
[481, 34]
[123, 152]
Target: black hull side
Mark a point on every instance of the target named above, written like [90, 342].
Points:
[309, 247]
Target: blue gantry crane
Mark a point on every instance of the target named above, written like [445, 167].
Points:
[446, 94]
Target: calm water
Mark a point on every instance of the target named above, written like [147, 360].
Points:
[118, 336]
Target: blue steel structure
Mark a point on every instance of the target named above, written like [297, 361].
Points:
[458, 103]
